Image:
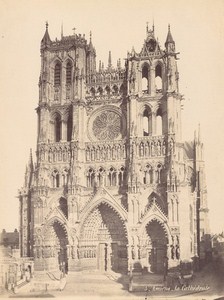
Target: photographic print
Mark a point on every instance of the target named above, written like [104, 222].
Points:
[112, 144]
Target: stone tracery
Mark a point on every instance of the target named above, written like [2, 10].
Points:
[97, 132]
[107, 125]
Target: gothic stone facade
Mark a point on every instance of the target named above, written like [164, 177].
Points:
[114, 185]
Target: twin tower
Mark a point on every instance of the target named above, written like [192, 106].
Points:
[114, 185]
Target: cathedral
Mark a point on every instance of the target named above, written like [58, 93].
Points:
[113, 184]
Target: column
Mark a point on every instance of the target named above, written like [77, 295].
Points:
[109, 254]
[152, 81]
[153, 123]
[64, 131]
[177, 210]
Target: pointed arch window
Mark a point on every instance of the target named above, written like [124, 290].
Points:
[158, 173]
[115, 90]
[57, 74]
[107, 90]
[55, 179]
[90, 178]
[159, 122]
[68, 73]
[147, 123]
[112, 176]
[65, 177]
[148, 175]
[145, 79]
[100, 90]
[158, 78]
[69, 128]
[92, 92]
[121, 177]
[58, 124]
[101, 177]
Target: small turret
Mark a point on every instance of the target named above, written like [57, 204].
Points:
[30, 163]
[169, 44]
[29, 171]
[91, 48]
[91, 57]
[100, 66]
[109, 61]
[46, 41]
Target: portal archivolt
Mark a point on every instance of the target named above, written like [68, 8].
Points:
[103, 240]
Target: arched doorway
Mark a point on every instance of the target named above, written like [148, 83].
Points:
[103, 241]
[55, 247]
[158, 246]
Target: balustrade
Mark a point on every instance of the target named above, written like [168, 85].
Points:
[105, 151]
[103, 98]
[57, 152]
[152, 146]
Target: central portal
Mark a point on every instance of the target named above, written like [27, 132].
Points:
[103, 241]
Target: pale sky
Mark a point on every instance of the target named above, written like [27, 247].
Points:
[198, 30]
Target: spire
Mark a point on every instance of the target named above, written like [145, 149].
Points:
[195, 137]
[119, 63]
[169, 38]
[61, 30]
[109, 60]
[29, 171]
[46, 41]
[91, 48]
[169, 44]
[90, 37]
[199, 133]
[100, 66]
[30, 164]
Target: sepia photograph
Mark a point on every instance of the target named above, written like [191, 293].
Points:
[112, 139]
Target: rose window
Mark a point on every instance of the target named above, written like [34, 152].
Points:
[107, 125]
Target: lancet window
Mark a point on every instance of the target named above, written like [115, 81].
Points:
[90, 178]
[65, 177]
[101, 177]
[147, 122]
[115, 90]
[69, 128]
[68, 73]
[158, 171]
[57, 74]
[159, 122]
[148, 174]
[107, 90]
[158, 78]
[58, 124]
[121, 177]
[112, 176]
[55, 179]
[145, 79]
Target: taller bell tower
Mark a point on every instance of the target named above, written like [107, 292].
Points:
[157, 168]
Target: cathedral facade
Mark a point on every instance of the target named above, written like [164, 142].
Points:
[113, 184]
